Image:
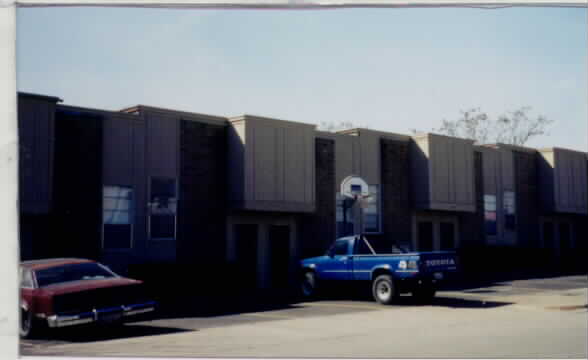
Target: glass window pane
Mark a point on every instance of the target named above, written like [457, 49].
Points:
[371, 221]
[163, 196]
[344, 215]
[340, 248]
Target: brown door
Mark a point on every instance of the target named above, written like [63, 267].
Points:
[246, 246]
[425, 236]
[447, 234]
[279, 240]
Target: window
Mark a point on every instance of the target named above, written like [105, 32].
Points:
[72, 272]
[344, 215]
[371, 214]
[117, 217]
[26, 278]
[340, 247]
[162, 209]
[490, 214]
[509, 210]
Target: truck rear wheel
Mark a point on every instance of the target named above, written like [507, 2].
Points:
[384, 289]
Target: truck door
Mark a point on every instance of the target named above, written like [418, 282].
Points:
[337, 265]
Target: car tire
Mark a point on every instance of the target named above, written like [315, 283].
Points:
[26, 324]
[424, 294]
[384, 290]
[308, 286]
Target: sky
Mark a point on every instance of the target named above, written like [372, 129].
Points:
[386, 69]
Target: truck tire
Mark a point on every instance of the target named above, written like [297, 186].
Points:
[309, 285]
[384, 290]
[424, 294]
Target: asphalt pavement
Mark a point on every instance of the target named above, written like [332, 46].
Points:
[538, 318]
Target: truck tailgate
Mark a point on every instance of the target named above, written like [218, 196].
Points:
[438, 261]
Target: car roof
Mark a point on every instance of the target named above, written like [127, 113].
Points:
[47, 263]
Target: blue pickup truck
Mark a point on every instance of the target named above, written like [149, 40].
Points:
[352, 258]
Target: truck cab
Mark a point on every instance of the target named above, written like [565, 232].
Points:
[353, 258]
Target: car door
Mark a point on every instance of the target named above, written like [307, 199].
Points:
[337, 263]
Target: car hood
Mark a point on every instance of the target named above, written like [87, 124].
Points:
[82, 285]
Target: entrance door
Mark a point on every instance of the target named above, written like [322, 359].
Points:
[246, 246]
[425, 236]
[565, 239]
[548, 235]
[447, 235]
[279, 247]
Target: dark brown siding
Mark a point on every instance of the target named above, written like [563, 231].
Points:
[472, 224]
[396, 192]
[527, 199]
[203, 187]
[36, 133]
[77, 185]
[318, 229]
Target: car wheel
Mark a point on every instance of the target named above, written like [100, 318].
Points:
[424, 294]
[384, 290]
[26, 323]
[309, 284]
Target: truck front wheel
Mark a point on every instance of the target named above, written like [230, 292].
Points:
[309, 288]
[384, 289]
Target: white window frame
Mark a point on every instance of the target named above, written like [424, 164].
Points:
[149, 215]
[379, 211]
[131, 219]
[487, 235]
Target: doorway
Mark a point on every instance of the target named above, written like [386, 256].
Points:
[279, 253]
[425, 236]
[246, 249]
[435, 232]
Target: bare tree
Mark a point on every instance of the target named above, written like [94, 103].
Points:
[334, 127]
[514, 127]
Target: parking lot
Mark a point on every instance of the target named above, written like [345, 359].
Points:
[523, 318]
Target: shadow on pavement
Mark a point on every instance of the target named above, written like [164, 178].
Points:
[93, 333]
[474, 281]
[456, 303]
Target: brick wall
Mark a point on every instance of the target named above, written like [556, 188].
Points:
[396, 198]
[202, 206]
[317, 230]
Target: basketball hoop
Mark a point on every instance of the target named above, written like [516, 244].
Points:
[353, 187]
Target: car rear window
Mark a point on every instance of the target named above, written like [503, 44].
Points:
[72, 272]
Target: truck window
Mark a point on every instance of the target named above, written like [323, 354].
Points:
[340, 247]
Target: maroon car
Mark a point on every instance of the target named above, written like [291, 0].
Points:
[65, 292]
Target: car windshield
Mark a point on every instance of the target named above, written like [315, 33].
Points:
[72, 272]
